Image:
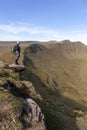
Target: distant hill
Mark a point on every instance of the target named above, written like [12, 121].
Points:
[14, 42]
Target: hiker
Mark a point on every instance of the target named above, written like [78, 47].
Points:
[17, 52]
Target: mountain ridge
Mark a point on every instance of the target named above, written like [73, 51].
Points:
[58, 72]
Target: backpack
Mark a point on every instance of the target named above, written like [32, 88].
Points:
[13, 49]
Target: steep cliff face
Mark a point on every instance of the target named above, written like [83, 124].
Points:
[18, 110]
[58, 72]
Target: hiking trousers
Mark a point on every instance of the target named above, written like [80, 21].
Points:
[17, 55]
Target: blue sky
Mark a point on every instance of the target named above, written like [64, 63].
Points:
[43, 20]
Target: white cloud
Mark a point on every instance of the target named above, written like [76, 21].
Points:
[24, 31]
[25, 28]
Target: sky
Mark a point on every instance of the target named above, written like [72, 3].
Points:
[43, 20]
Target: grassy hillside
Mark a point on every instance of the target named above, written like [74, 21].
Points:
[61, 67]
[59, 72]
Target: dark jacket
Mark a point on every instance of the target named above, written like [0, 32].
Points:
[17, 48]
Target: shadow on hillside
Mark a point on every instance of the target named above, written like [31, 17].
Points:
[55, 118]
[30, 63]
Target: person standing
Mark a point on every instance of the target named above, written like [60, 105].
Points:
[17, 52]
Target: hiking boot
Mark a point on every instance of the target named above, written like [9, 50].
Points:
[16, 62]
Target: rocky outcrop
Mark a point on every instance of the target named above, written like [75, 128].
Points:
[17, 68]
[18, 111]
[33, 111]
[34, 114]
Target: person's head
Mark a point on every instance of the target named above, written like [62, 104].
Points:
[18, 43]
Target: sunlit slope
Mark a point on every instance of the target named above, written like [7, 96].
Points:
[61, 67]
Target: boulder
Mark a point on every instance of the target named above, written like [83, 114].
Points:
[17, 68]
[33, 111]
